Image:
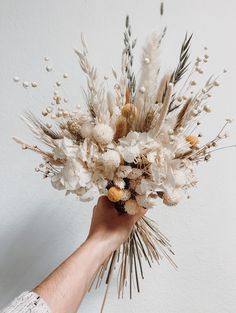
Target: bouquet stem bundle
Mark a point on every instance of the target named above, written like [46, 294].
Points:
[146, 243]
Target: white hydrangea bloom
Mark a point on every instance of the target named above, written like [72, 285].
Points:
[135, 144]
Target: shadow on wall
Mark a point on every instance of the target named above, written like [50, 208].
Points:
[30, 250]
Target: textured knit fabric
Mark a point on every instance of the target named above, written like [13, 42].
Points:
[27, 302]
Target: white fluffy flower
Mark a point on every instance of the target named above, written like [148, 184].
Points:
[110, 158]
[86, 130]
[103, 134]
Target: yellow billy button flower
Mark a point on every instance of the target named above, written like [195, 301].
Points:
[193, 140]
[115, 194]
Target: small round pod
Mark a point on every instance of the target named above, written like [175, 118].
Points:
[115, 194]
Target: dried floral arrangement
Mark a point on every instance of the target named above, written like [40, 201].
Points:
[138, 145]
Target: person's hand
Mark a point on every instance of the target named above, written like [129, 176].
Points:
[108, 225]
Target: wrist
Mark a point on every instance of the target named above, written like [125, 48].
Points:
[102, 244]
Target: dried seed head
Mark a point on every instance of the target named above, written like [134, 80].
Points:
[74, 127]
[129, 110]
[115, 194]
[103, 134]
[193, 140]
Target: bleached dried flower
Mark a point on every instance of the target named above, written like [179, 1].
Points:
[119, 182]
[126, 195]
[86, 130]
[110, 158]
[171, 198]
[103, 134]
[131, 207]
[135, 173]
[146, 202]
[180, 178]
[123, 171]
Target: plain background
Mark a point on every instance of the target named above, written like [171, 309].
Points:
[39, 227]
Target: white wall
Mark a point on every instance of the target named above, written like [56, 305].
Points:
[39, 227]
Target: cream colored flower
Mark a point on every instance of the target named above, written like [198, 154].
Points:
[171, 198]
[110, 158]
[123, 171]
[135, 173]
[86, 130]
[146, 202]
[103, 134]
[131, 207]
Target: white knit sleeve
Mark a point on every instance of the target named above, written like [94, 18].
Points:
[27, 302]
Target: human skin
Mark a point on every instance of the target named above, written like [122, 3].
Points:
[64, 289]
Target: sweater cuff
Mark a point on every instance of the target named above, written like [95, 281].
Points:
[27, 302]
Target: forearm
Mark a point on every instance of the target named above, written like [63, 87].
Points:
[64, 288]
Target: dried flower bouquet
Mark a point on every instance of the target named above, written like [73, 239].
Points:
[139, 145]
